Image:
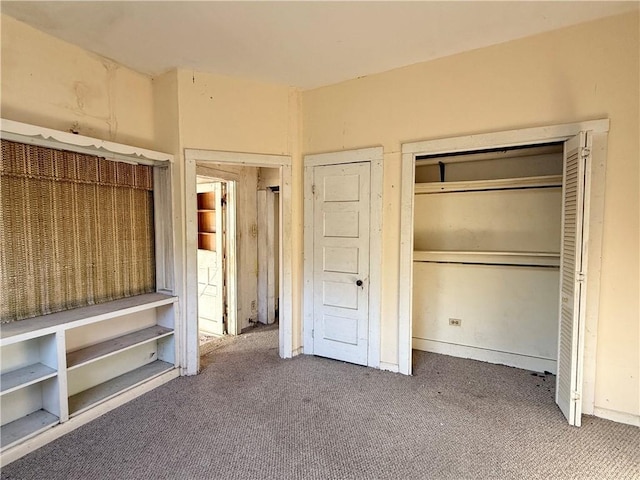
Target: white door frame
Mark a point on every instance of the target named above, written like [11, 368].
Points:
[374, 156]
[193, 156]
[266, 257]
[528, 136]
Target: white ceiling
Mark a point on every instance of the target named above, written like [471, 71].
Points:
[305, 44]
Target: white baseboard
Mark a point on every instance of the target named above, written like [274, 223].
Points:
[389, 367]
[615, 416]
[61, 429]
[525, 362]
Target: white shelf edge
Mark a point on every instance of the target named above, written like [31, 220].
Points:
[26, 427]
[21, 330]
[87, 399]
[479, 185]
[116, 345]
[37, 372]
[542, 259]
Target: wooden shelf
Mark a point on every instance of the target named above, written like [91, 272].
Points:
[481, 185]
[25, 376]
[46, 324]
[206, 201]
[534, 259]
[26, 427]
[207, 241]
[101, 350]
[100, 393]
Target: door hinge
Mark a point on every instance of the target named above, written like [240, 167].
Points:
[575, 395]
[313, 189]
[581, 277]
[586, 152]
[312, 332]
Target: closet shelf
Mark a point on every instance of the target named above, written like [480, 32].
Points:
[86, 399]
[538, 259]
[25, 376]
[480, 185]
[101, 350]
[26, 427]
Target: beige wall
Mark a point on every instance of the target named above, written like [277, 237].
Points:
[237, 115]
[584, 72]
[50, 83]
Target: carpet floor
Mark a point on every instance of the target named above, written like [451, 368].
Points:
[252, 415]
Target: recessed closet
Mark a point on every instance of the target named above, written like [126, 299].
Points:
[487, 233]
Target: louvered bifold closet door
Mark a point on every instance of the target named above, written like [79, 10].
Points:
[572, 276]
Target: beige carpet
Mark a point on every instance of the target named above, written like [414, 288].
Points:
[251, 415]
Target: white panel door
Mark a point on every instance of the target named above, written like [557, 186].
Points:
[341, 217]
[573, 270]
[211, 292]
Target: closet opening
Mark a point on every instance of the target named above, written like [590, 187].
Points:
[486, 257]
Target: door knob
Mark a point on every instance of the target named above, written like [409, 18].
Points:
[359, 283]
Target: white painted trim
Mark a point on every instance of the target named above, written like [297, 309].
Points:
[389, 367]
[266, 257]
[262, 256]
[271, 264]
[375, 254]
[231, 267]
[405, 282]
[47, 137]
[238, 158]
[526, 362]
[615, 416]
[374, 156]
[286, 311]
[61, 429]
[346, 156]
[509, 138]
[528, 136]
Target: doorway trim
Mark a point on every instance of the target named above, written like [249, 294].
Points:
[374, 156]
[510, 138]
[193, 156]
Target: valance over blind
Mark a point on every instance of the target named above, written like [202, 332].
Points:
[75, 230]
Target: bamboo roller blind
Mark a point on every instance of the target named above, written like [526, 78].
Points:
[75, 230]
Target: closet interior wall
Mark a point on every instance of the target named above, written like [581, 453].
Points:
[486, 255]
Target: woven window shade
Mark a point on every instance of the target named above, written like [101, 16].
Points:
[75, 230]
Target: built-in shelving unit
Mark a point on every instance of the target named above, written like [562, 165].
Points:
[46, 381]
[206, 221]
[61, 370]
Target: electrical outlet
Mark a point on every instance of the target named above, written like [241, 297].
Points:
[455, 322]
[253, 305]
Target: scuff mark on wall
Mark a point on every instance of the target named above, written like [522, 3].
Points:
[111, 119]
[81, 91]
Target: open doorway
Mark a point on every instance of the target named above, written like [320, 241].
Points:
[247, 173]
[216, 238]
